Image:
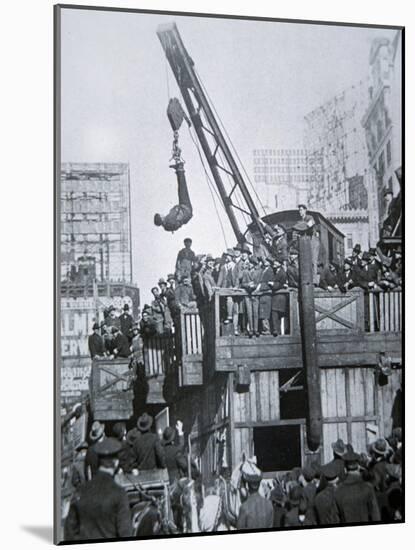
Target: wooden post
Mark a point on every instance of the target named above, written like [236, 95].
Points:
[309, 343]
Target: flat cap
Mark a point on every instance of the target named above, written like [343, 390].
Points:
[331, 470]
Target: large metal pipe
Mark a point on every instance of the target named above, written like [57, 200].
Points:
[309, 343]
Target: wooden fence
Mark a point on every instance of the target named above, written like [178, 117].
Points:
[158, 355]
[384, 311]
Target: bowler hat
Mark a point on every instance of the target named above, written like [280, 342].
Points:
[109, 447]
[126, 307]
[230, 252]
[380, 447]
[132, 436]
[254, 260]
[210, 258]
[245, 248]
[169, 434]
[238, 246]
[350, 457]
[357, 248]
[144, 422]
[170, 276]
[162, 281]
[372, 251]
[95, 326]
[97, 429]
[308, 473]
[339, 448]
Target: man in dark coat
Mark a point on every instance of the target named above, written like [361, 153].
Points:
[256, 512]
[171, 300]
[149, 453]
[126, 321]
[208, 280]
[265, 296]
[279, 301]
[280, 245]
[96, 342]
[101, 509]
[172, 448]
[325, 507]
[184, 293]
[96, 435]
[345, 277]
[186, 258]
[121, 344]
[292, 270]
[329, 279]
[125, 455]
[354, 497]
[225, 280]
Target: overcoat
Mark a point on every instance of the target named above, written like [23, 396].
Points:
[149, 453]
[279, 299]
[265, 293]
[256, 513]
[101, 511]
[356, 500]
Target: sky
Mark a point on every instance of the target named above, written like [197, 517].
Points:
[261, 76]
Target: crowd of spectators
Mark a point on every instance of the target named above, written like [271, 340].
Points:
[258, 285]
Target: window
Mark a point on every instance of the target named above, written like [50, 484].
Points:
[277, 447]
[292, 394]
[276, 201]
[349, 240]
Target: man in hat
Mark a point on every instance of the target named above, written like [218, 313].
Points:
[101, 509]
[279, 300]
[96, 342]
[296, 514]
[147, 325]
[173, 443]
[184, 293]
[308, 228]
[250, 278]
[126, 321]
[293, 275]
[329, 279]
[186, 258]
[325, 506]
[265, 296]
[208, 280]
[356, 254]
[345, 276]
[380, 452]
[277, 498]
[181, 213]
[161, 313]
[169, 295]
[96, 435]
[256, 512]
[339, 450]
[355, 498]
[78, 465]
[226, 280]
[148, 451]
[121, 344]
[107, 337]
[280, 245]
[111, 319]
[126, 456]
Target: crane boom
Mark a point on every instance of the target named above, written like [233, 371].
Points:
[209, 133]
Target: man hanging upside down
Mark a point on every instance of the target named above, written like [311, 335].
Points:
[181, 213]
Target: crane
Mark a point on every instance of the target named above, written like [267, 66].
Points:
[218, 153]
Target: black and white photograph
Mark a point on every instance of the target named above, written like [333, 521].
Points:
[229, 273]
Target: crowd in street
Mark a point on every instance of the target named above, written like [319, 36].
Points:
[351, 488]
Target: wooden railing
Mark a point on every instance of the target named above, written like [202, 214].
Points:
[158, 354]
[383, 311]
[191, 331]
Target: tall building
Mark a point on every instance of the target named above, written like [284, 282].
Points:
[382, 120]
[96, 263]
[95, 220]
[282, 177]
[342, 188]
